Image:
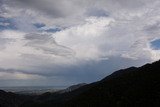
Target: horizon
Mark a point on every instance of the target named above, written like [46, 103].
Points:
[63, 43]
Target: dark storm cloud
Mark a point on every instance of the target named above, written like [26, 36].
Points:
[93, 71]
[89, 72]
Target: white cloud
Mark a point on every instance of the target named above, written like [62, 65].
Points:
[38, 51]
[86, 40]
[123, 30]
[107, 37]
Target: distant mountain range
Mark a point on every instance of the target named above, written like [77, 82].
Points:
[132, 87]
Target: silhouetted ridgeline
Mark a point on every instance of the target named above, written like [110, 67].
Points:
[132, 87]
[8, 99]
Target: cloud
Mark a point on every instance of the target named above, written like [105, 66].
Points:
[47, 44]
[97, 12]
[65, 41]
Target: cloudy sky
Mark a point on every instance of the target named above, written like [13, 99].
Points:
[64, 42]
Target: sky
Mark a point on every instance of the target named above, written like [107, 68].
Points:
[65, 42]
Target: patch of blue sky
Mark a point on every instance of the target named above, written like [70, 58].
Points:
[39, 25]
[51, 29]
[6, 24]
[156, 44]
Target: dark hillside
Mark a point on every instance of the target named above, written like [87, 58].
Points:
[132, 87]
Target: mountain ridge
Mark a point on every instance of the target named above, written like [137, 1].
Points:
[131, 87]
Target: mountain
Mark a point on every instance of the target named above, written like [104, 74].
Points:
[8, 99]
[72, 88]
[131, 87]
